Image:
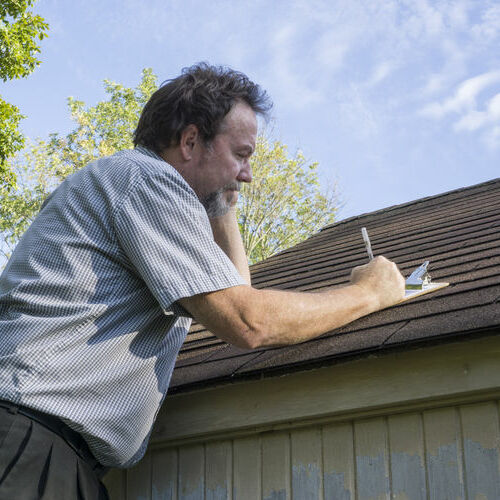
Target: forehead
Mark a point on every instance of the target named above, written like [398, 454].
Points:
[240, 123]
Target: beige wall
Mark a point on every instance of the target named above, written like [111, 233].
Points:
[414, 425]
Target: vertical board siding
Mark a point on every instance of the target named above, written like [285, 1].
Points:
[481, 445]
[307, 460]
[372, 461]
[218, 470]
[164, 474]
[338, 462]
[247, 467]
[440, 454]
[276, 466]
[191, 473]
[139, 480]
[407, 457]
[443, 454]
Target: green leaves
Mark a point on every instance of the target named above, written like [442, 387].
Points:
[104, 128]
[284, 204]
[11, 139]
[281, 207]
[35, 168]
[20, 31]
[100, 130]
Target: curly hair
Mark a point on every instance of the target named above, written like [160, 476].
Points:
[202, 95]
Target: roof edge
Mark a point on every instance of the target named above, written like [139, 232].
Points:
[344, 357]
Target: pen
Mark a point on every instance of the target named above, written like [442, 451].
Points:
[368, 245]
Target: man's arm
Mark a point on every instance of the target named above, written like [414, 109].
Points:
[227, 236]
[250, 318]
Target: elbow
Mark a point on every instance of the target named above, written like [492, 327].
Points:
[255, 340]
[248, 323]
[247, 338]
[247, 333]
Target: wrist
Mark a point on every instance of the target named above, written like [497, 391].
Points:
[368, 298]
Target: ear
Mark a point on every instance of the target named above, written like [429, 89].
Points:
[189, 138]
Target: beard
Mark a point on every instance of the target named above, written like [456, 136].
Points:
[216, 204]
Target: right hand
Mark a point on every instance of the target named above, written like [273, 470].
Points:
[382, 278]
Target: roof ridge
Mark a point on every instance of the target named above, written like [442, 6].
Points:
[409, 203]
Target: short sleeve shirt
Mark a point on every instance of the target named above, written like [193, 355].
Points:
[89, 325]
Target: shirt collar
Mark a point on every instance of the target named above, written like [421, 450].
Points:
[148, 152]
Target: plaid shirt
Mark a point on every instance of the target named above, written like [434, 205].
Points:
[89, 325]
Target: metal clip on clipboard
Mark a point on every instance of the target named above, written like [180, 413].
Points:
[419, 282]
[419, 279]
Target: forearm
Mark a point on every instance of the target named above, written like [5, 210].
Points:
[289, 317]
[250, 318]
[227, 235]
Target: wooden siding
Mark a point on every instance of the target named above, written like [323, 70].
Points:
[444, 375]
[437, 454]
[420, 424]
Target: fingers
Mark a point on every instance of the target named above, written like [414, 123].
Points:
[382, 278]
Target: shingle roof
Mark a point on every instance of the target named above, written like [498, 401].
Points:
[458, 231]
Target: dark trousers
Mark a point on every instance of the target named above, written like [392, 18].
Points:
[36, 463]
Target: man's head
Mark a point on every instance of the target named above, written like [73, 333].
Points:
[204, 124]
[202, 96]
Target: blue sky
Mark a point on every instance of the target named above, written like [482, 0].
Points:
[395, 99]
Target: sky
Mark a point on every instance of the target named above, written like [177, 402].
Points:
[396, 99]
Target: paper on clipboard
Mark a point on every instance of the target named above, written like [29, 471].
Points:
[431, 287]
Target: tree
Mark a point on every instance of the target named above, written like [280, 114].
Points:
[101, 130]
[104, 128]
[281, 207]
[284, 204]
[20, 30]
[36, 178]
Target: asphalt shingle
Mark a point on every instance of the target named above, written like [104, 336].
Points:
[459, 232]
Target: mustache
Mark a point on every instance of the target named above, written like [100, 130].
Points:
[232, 186]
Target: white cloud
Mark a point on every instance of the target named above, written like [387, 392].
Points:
[430, 17]
[464, 98]
[473, 113]
[452, 68]
[477, 119]
[373, 63]
[489, 26]
[380, 73]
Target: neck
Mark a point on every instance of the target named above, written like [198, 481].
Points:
[174, 157]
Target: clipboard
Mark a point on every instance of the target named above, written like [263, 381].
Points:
[431, 287]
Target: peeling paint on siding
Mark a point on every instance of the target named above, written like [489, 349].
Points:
[334, 484]
[408, 476]
[445, 480]
[219, 493]
[276, 495]
[432, 455]
[483, 471]
[164, 494]
[372, 480]
[192, 491]
[306, 481]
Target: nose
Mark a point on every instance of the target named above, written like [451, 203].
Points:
[245, 174]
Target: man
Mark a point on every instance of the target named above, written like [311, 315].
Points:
[98, 296]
